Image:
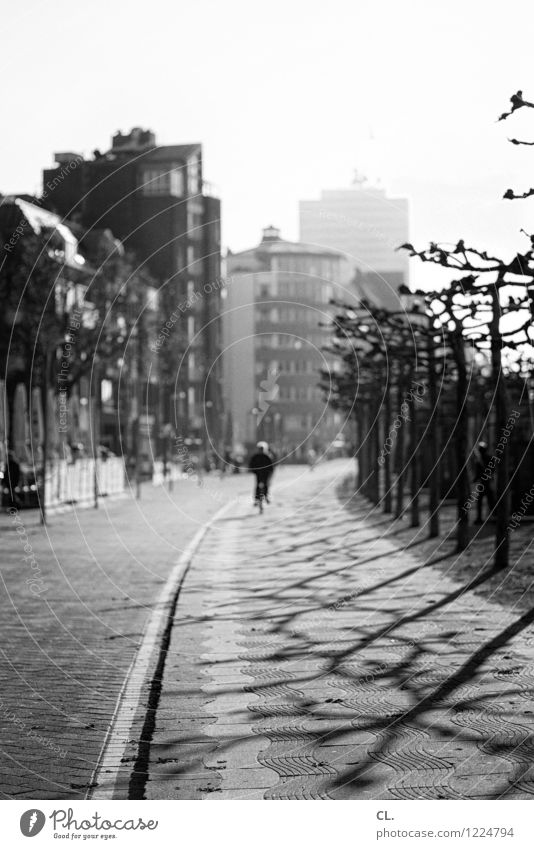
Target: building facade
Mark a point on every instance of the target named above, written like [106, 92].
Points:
[43, 279]
[277, 297]
[366, 226]
[154, 199]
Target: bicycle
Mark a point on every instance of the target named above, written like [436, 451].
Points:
[261, 495]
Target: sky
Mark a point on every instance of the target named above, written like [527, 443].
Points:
[287, 98]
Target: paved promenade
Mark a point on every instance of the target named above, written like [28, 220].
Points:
[316, 651]
[313, 655]
[74, 604]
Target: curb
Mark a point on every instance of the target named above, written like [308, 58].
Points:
[150, 656]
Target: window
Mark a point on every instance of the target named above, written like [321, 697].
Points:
[292, 422]
[194, 223]
[106, 391]
[162, 181]
[176, 182]
[180, 257]
[152, 298]
[193, 175]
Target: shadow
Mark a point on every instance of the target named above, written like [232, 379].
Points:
[359, 682]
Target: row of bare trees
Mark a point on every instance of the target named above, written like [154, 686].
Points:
[412, 376]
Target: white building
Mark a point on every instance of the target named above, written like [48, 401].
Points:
[276, 298]
[366, 226]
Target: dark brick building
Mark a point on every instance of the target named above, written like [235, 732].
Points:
[154, 200]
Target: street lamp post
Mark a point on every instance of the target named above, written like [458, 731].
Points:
[530, 386]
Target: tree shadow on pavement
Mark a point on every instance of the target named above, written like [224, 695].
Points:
[370, 675]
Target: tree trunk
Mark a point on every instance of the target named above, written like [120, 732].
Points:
[434, 477]
[461, 435]
[399, 453]
[388, 496]
[502, 494]
[374, 448]
[364, 449]
[414, 464]
[96, 419]
[358, 418]
[46, 440]
[139, 395]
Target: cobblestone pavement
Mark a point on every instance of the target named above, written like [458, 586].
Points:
[313, 656]
[73, 613]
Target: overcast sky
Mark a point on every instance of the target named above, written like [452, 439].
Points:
[287, 98]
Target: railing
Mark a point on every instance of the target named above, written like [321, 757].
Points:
[75, 483]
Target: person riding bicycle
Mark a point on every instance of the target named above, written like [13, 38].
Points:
[261, 465]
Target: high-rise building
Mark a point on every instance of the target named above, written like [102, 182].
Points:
[366, 226]
[277, 297]
[154, 199]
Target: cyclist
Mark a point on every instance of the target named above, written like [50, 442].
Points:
[261, 465]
